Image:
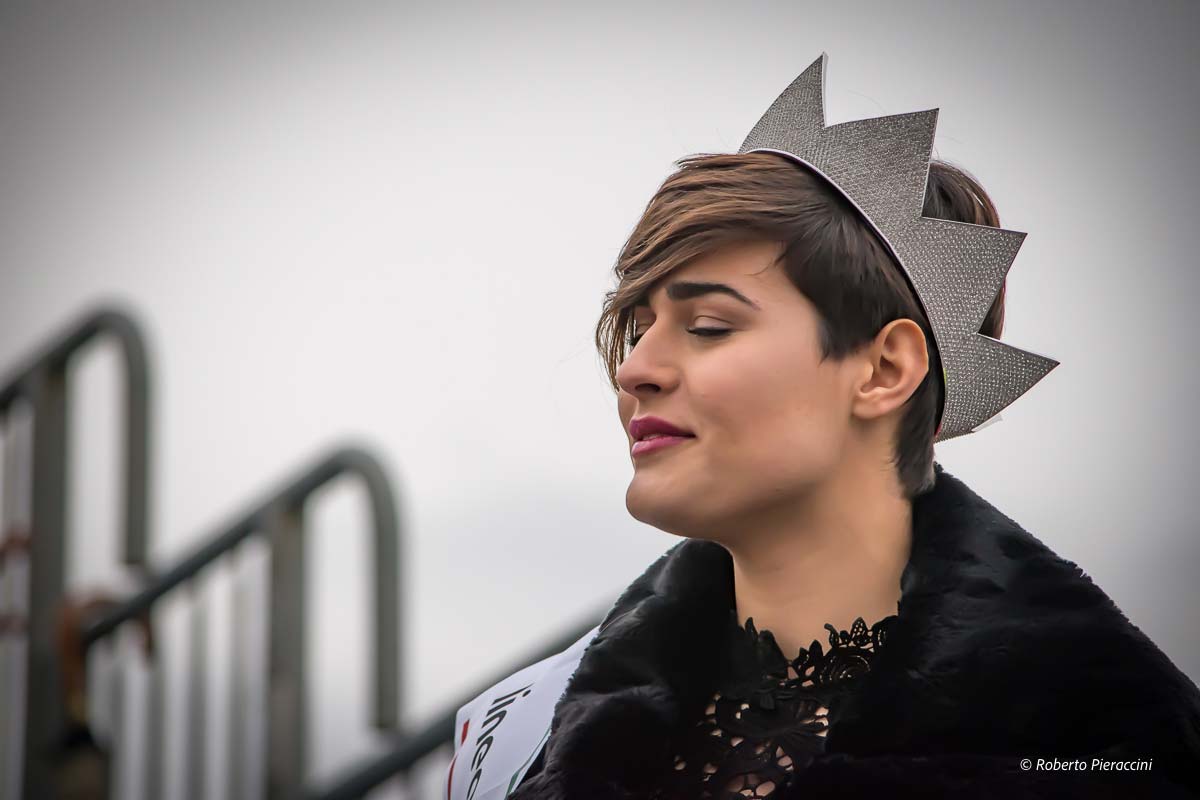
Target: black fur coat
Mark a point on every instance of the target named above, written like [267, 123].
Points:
[1002, 651]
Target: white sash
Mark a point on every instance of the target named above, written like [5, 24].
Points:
[501, 732]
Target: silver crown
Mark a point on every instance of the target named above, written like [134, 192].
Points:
[881, 166]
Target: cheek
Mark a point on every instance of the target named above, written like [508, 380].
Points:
[771, 421]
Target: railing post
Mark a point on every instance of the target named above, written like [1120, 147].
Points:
[197, 693]
[42, 380]
[287, 710]
[119, 729]
[153, 767]
[386, 560]
[235, 772]
[12, 682]
[44, 712]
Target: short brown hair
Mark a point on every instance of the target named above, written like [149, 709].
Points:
[830, 254]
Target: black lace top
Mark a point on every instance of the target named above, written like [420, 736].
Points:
[768, 716]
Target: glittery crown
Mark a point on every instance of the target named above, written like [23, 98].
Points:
[956, 269]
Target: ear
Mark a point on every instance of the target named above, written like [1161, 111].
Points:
[896, 363]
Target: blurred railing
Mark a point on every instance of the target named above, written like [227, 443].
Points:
[56, 632]
[279, 518]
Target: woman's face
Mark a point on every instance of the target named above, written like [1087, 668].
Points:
[769, 418]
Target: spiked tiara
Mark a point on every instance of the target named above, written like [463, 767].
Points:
[956, 269]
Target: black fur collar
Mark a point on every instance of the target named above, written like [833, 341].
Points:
[1002, 651]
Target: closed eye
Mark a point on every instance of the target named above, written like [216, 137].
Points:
[706, 332]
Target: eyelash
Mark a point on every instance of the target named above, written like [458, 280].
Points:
[712, 333]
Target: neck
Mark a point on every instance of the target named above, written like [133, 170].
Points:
[835, 555]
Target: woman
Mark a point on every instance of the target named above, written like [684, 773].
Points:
[843, 617]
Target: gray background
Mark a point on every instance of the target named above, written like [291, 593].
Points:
[395, 223]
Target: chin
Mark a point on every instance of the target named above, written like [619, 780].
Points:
[651, 507]
[678, 516]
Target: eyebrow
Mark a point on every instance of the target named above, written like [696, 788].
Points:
[686, 290]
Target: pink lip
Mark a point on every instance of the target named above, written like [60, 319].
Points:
[641, 427]
[646, 445]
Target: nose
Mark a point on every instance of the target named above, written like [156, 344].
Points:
[647, 369]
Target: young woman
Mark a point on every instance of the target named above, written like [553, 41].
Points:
[794, 326]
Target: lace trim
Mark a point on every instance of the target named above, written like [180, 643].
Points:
[769, 715]
[849, 656]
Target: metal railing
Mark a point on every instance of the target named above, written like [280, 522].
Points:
[279, 517]
[43, 382]
[45, 617]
